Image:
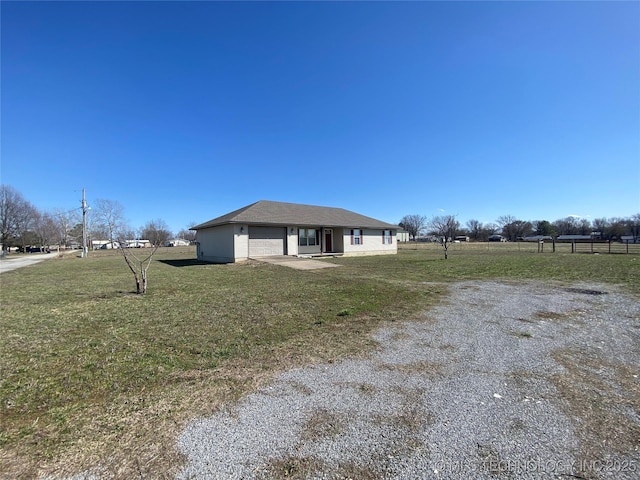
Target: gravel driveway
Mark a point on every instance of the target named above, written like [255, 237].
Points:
[505, 380]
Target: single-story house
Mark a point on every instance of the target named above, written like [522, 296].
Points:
[402, 236]
[103, 244]
[267, 228]
[138, 243]
[176, 242]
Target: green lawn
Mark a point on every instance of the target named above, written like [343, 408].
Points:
[94, 374]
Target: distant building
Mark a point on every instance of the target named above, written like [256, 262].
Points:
[138, 244]
[566, 238]
[103, 245]
[176, 242]
[402, 236]
[537, 238]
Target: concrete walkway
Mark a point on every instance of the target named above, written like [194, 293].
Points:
[10, 262]
[296, 262]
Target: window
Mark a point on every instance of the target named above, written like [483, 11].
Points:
[387, 238]
[308, 237]
[356, 237]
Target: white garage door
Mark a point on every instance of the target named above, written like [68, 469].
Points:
[266, 241]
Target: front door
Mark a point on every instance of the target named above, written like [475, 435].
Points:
[328, 240]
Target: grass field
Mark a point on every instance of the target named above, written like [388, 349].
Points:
[93, 374]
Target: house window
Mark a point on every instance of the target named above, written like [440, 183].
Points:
[356, 237]
[387, 238]
[308, 237]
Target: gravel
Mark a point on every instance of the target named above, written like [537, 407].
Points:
[471, 390]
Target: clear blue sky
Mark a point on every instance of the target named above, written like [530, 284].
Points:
[184, 111]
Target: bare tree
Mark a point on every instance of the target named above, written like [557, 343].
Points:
[156, 231]
[617, 228]
[16, 217]
[512, 228]
[601, 227]
[187, 233]
[474, 227]
[567, 226]
[46, 229]
[109, 217]
[66, 221]
[503, 223]
[414, 224]
[444, 227]
[137, 265]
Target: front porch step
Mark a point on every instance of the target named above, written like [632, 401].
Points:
[320, 255]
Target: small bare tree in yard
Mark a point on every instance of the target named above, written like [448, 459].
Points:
[444, 227]
[156, 232]
[138, 265]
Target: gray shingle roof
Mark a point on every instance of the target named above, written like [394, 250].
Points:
[266, 212]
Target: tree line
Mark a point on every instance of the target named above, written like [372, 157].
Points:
[512, 229]
[23, 225]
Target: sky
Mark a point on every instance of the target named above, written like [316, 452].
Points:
[184, 111]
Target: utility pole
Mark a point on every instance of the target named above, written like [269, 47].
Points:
[85, 250]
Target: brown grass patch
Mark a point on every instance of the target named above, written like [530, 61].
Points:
[290, 468]
[545, 315]
[520, 334]
[322, 423]
[603, 399]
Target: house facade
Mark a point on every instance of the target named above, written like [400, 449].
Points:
[267, 228]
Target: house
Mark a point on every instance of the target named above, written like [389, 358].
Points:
[402, 236]
[267, 228]
[176, 242]
[138, 243]
[103, 245]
